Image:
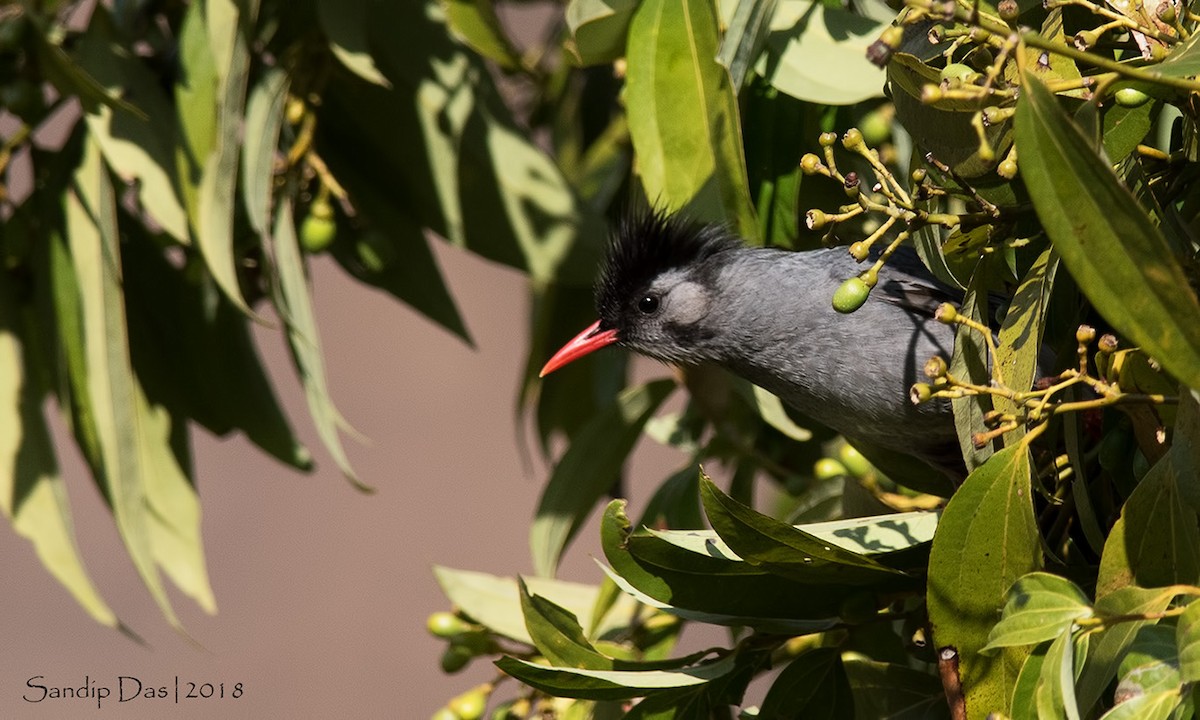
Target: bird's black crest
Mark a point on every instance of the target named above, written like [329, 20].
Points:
[646, 244]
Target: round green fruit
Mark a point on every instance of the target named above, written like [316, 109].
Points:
[317, 233]
[850, 295]
[446, 625]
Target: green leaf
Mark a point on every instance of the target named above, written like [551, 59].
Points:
[346, 23]
[111, 386]
[588, 469]
[898, 692]
[813, 685]
[557, 634]
[476, 24]
[173, 507]
[136, 149]
[1151, 665]
[264, 118]
[1020, 342]
[970, 362]
[1156, 706]
[745, 37]
[1156, 540]
[295, 307]
[495, 602]
[1183, 60]
[787, 550]
[1040, 606]
[1187, 639]
[598, 29]
[683, 115]
[1055, 694]
[987, 538]
[781, 124]
[684, 587]
[1024, 692]
[818, 53]
[70, 77]
[611, 684]
[32, 493]
[1108, 649]
[771, 409]
[1120, 259]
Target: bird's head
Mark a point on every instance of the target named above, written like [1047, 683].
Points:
[655, 289]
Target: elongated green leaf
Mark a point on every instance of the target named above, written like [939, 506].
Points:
[71, 78]
[1187, 638]
[588, 469]
[770, 407]
[813, 685]
[32, 494]
[745, 37]
[970, 362]
[264, 118]
[215, 199]
[866, 535]
[1040, 606]
[1109, 648]
[767, 624]
[598, 29]
[95, 253]
[346, 24]
[684, 585]
[987, 538]
[807, 39]
[136, 149]
[683, 115]
[611, 684]
[1183, 60]
[1120, 259]
[1024, 692]
[295, 307]
[787, 550]
[558, 635]
[1055, 695]
[496, 601]
[475, 22]
[173, 507]
[1020, 343]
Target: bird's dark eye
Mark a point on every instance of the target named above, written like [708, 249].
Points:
[648, 304]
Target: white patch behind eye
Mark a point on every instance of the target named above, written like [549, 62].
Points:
[687, 303]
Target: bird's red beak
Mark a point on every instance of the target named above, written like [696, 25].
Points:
[593, 338]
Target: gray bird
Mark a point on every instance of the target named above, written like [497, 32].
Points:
[686, 293]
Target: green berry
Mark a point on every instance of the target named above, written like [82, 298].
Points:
[472, 704]
[829, 469]
[815, 219]
[810, 164]
[1007, 169]
[827, 139]
[935, 367]
[853, 139]
[455, 658]
[317, 233]
[850, 295]
[445, 714]
[957, 71]
[445, 625]
[1130, 97]
[854, 461]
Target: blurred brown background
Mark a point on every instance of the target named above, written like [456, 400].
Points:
[322, 591]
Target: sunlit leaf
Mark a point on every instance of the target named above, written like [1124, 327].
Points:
[1040, 606]
[1119, 258]
[598, 28]
[1020, 342]
[1108, 649]
[987, 538]
[683, 115]
[475, 22]
[346, 24]
[1187, 638]
[295, 305]
[264, 118]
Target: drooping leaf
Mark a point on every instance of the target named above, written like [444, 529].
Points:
[1120, 259]
[588, 469]
[264, 118]
[32, 494]
[346, 25]
[295, 306]
[683, 116]
[970, 362]
[894, 691]
[1055, 694]
[558, 635]
[745, 37]
[987, 538]
[111, 386]
[1187, 640]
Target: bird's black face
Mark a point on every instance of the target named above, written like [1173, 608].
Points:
[656, 287]
[655, 290]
